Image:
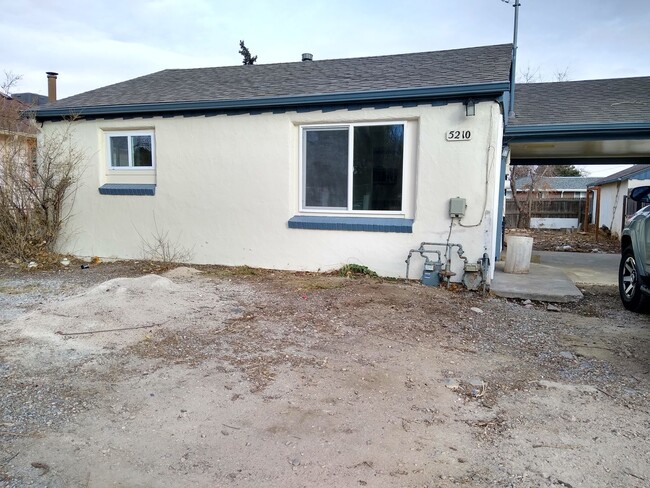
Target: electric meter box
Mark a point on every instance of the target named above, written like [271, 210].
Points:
[457, 207]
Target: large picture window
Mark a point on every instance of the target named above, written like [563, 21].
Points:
[353, 167]
[130, 149]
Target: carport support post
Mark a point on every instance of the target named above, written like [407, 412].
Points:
[585, 225]
[597, 211]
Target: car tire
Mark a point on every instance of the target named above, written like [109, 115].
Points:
[629, 283]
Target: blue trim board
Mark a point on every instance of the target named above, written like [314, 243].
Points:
[124, 189]
[514, 161]
[577, 132]
[476, 89]
[362, 224]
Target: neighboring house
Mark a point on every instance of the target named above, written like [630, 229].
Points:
[303, 166]
[614, 190]
[17, 139]
[557, 202]
[13, 126]
[30, 99]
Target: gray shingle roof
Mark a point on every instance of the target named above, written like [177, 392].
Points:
[30, 98]
[489, 64]
[575, 102]
[566, 183]
[630, 173]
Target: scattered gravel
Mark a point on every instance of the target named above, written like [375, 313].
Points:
[270, 378]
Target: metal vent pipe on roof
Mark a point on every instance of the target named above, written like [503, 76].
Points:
[307, 57]
[51, 85]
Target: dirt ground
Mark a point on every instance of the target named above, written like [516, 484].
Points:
[238, 377]
[570, 241]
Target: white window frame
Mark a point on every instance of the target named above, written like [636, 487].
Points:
[349, 211]
[128, 134]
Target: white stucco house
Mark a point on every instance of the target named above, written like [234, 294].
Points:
[302, 166]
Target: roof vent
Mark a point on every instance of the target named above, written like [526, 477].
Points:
[307, 57]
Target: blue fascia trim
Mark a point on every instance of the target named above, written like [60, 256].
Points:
[496, 88]
[362, 224]
[568, 132]
[516, 161]
[127, 189]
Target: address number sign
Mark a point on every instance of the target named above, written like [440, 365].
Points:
[459, 135]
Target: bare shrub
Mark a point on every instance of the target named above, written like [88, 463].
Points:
[38, 176]
[160, 247]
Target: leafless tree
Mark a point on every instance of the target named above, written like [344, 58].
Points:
[534, 75]
[9, 82]
[535, 174]
[529, 192]
[561, 75]
[529, 75]
[38, 177]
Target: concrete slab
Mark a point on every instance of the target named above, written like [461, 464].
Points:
[554, 278]
[584, 268]
[542, 283]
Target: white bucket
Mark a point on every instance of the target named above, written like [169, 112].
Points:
[520, 250]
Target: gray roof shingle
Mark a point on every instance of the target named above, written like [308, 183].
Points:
[570, 183]
[583, 102]
[626, 174]
[489, 64]
[30, 98]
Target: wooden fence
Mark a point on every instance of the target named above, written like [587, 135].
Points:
[547, 208]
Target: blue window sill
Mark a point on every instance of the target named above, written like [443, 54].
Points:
[362, 224]
[124, 189]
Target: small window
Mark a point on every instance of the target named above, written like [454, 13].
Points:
[353, 168]
[130, 150]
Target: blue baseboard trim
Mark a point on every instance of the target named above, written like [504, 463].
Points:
[360, 224]
[127, 189]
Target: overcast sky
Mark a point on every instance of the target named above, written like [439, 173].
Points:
[94, 43]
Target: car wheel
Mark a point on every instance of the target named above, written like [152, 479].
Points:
[629, 283]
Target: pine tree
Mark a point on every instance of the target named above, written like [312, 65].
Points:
[248, 59]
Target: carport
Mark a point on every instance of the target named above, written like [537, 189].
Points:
[578, 122]
[571, 122]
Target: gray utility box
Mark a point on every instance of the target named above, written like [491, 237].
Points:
[457, 207]
[431, 273]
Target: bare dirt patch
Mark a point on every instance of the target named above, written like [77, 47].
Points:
[242, 377]
[575, 241]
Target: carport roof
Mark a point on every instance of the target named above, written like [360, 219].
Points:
[416, 76]
[568, 120]
[619, 100]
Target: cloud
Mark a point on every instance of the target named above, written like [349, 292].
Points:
[96, 43]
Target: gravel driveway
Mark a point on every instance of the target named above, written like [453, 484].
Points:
[113, 376]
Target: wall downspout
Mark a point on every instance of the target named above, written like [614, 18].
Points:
[505, 156]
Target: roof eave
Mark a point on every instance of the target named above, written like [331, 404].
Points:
[405, 94]
[615, 179]
[569, 132]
